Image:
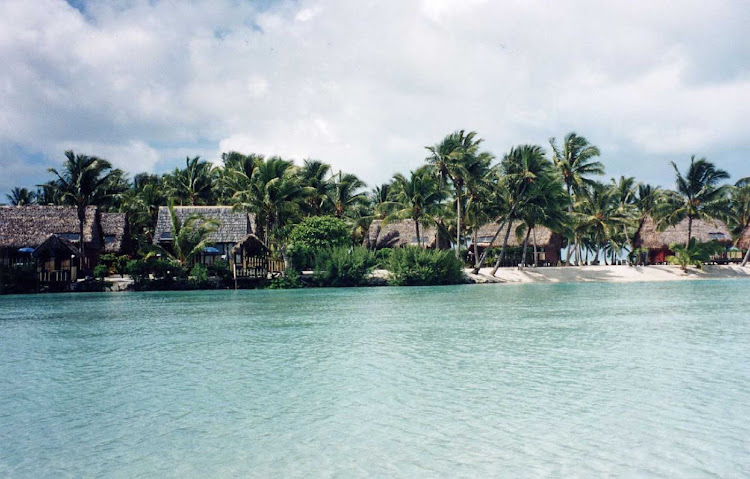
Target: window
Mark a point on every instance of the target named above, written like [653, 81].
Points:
[109, 239]
[166, 236]
[716, 236]
[484, 239]
[70, 236]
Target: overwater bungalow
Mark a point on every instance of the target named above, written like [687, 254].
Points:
[398, 234]
[543, 247]
[657, 242]
[233, 228]
[50, 236]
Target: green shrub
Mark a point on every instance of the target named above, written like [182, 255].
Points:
[115, 263]
[101, 271]
[199, 273]
[289, 280]
[159, 268]
[220, 269]
[413, 266]
[321, 232]
[343, 266]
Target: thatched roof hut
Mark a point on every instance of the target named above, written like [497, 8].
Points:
[56, 245]
[252, 245]
[650, 237]
[540, 235]
[399, 233]
[116, 232]
[30, 226]
[233, 226]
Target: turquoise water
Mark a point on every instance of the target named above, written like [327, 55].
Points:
[576, 380]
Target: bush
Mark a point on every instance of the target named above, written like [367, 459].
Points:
[289, 280]
[343, 266]
[199, 273]
[116, 264]
[220, 269]
[413, 266]
[159, 268]
[314, 234]
[101, 271]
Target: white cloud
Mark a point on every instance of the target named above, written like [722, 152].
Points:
[366, 85]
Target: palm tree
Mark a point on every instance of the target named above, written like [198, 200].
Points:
[738, 215]
[346, 194]
[524, 169]
[314, 174]
[236, 174]
[457, 158]
[624, 193]
[417, 197]
[698, 195]
[274, 193]
[599, 214]
[193, 185]
[21, 197]
[141, 203]
[82, 183]
[190, 235]
[645, 204]
[576, 163]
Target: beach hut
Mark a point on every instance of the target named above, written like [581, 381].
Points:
[657, 242]
[543, 248]
[115, 233]
[252, 259]
[234, 226]
[57, 260]
[398, 234]
[24, 228]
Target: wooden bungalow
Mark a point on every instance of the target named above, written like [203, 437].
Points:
[402, 233]
[57, 260]
[252, 259]
[543, 248]
[657, 242]
[24, 229]
[115, 233]
[233, 228]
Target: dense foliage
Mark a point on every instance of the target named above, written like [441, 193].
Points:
[343, 266]
[421, 267]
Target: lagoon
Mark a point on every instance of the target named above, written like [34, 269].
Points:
[534, 380]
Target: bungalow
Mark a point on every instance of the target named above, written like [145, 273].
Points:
[402, 233]
[115, 232]
[23, 229]
[657, 242]
[233, 228]
[543, 248]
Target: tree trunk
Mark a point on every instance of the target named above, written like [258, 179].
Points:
[419, 240]
[81, 243]
[525, 244]
[536, 255]
[747, 257]
[458, 223]
[484, 255]
[570, 216]
[476, 247]
[502, 250]
[690, 231]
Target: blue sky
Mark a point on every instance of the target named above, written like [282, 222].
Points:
[366, 85]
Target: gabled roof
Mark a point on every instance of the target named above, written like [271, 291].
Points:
[233, 226]
[56, 245]
[115, 231]
[30, 226]
[703, 231]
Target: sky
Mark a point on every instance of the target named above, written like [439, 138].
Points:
[366, 85]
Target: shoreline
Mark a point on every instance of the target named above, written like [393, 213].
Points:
[607, 274]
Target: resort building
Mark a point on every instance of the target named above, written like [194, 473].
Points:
[50, 237]
[398, 234]
[233, 228]
[543, 248]
[657, 242]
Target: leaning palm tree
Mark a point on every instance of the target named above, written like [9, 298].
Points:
[21, 197]
[416, 197]
[82, 183]
[698, 195]
[575, 162]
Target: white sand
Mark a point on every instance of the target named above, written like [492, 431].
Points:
[614, 274]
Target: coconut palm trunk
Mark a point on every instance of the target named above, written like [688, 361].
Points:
[479, 263]
[536, 254]
[475, 246]
[525, 244]
[458, 223]
[419, 239]
[690, 231]
[747, 258]
[81, 242]
[502, 250]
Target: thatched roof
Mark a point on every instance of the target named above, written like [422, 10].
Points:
[703, 231]
[541, 235]
[30, 226]
[56, 245]
[115, 232]
[744, 240]
[233, 226]
[399, 233]
[252, 244]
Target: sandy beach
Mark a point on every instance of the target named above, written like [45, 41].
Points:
[613, 274]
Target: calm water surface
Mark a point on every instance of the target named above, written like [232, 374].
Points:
[593, 380]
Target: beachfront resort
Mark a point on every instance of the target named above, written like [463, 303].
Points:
[467, 215]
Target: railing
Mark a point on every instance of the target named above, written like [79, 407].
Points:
[54, 276]
[259, 268]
